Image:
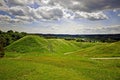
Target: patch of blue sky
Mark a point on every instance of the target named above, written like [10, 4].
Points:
[6, 13]
[35, 5]
[113, 18]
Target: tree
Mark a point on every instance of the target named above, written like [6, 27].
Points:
[11, 36]
[1, 32]
[2, 52]
[10, 31]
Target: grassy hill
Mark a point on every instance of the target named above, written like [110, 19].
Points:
[32, 66]
[28, 44]
[39, 44]
[61, 46]
[105, 49]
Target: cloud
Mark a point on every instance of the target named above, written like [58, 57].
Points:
[77, 28]
[12, 3]
[91, 16]
[8, 19]
[87, 5]
[35, 10]
[53, 14]
[118, 14]
[23, 13]
[45, 1]
[20, 11]
[30, 14]
[1, 4]
[64, 27]
[24, 18]
[4, 18]
[114, 29]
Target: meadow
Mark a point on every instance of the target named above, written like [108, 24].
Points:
[37, 58]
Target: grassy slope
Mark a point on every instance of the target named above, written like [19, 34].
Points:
[105, 50]
[28, 44]
[59, 67]
[39, 44]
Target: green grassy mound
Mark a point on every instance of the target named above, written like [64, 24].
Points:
[28, 44]
[39, 44]
[105, 49]
[61, 46]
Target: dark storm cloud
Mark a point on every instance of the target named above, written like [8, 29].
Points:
[88, 5]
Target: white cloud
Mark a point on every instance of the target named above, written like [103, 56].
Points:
[4, 18]
[3, 6]
[113, 29]
[8, 19]
[91, 16]
[64, 27]
[50, 13]
[71, 27]
[45, 1]
[17, 10]
[118, 14]
[24, 18]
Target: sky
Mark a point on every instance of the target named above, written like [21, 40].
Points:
[61, 16]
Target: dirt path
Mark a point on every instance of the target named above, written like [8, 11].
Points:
[106, 58]
[68, 53]
[71, 52]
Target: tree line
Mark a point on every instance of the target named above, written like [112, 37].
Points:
[9, 37]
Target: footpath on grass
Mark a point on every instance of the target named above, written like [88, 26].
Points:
[71, 52]
[106, 58]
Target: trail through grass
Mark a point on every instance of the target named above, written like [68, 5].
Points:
[107, 58]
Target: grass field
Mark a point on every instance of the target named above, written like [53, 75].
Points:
[36, 58]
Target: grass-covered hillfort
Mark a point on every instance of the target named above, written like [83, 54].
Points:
[58, 57]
